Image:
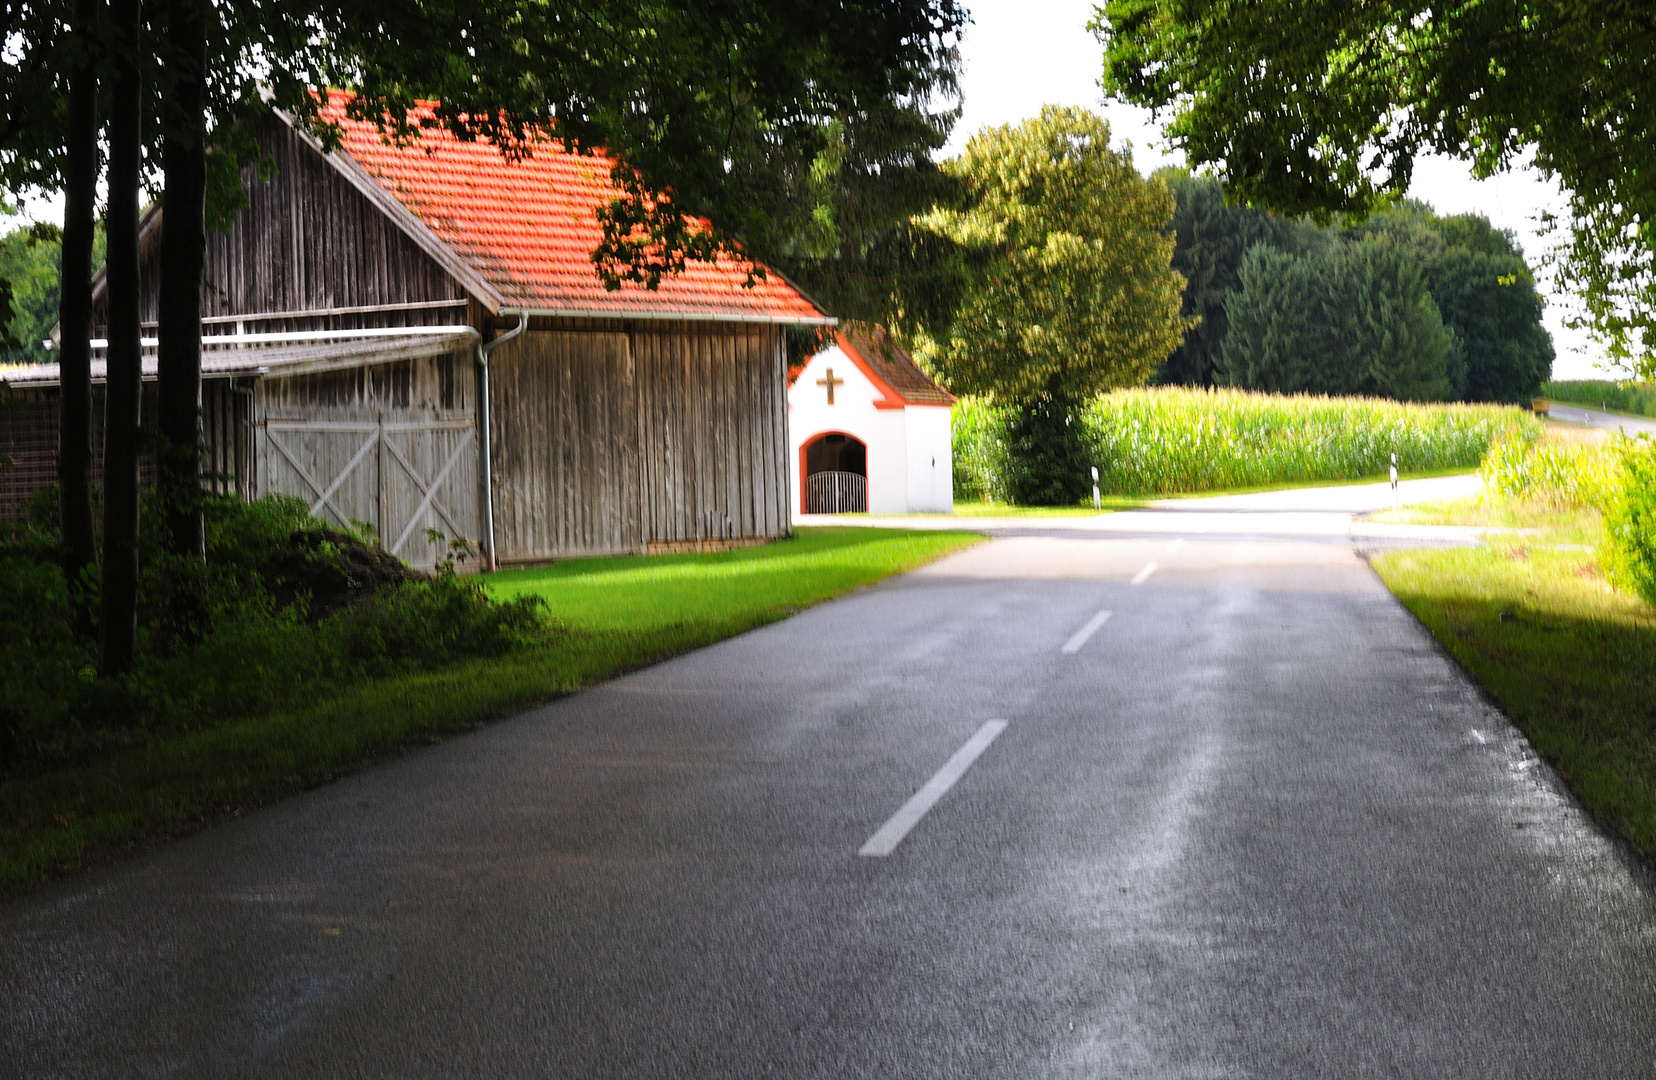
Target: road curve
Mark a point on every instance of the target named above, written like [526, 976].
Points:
[1250, 824]
[1580, 414]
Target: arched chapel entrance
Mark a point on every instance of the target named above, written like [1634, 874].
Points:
[836, 474]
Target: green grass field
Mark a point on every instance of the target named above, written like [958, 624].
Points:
[613, 614]
[1570, 659]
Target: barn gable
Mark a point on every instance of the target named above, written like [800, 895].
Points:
[311, 249]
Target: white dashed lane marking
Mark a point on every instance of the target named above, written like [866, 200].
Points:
[892, 832]
[1073, 645]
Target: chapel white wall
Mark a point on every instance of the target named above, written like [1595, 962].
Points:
[930, 459]
[902, 443]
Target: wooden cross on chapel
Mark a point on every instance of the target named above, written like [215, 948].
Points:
[830, 382]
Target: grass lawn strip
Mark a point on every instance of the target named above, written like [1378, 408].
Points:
[1569, 659]
[618, 614]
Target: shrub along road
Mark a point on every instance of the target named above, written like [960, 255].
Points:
[1253, 822]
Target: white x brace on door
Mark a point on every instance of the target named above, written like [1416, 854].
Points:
[400, 476]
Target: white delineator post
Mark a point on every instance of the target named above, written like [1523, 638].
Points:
[1096, 504]
[1394, 481]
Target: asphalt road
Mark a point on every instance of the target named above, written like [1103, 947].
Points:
[1578, 414]
[1255, 825]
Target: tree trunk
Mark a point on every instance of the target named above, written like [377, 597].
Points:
[183, 243]
[118, 624]
[75, 317]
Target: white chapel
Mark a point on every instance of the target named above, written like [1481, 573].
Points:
[870, 431]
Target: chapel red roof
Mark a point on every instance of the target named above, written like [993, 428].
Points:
[890, 367]
[528, 228]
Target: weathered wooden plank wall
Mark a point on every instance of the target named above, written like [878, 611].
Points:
[307, 241]
[608, 441]
[377, 439]
[227, 436]
[565, 470]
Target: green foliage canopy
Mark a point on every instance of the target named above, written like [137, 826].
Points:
[798, 134]
[1323, 106]
[1211, 236]
[1356, 319]
[29, 263]
[1477, 276]
[1074, 292]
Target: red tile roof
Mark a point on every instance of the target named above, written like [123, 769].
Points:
[891, 369]
[528, 228]
[890, 364]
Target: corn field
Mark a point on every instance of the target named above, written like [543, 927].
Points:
[1555, 474]
[1171, 440]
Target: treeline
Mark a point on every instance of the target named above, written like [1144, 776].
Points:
[30, 261]
[1408, 305]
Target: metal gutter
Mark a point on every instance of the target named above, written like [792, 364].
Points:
[485, 477]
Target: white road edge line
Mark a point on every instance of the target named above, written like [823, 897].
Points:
[1144, 575]
[1176, 545]
[892, 832]
[1073, 645]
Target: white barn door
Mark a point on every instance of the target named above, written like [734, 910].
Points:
[401, 477]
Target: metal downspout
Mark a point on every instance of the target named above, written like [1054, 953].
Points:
[485, 478]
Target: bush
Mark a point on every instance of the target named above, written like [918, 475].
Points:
[1630, 520]
[283, 610]
[1557, 475]
[1047, 456]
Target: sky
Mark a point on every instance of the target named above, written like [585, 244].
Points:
[1019, 56]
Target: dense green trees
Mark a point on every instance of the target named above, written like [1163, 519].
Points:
[29, 261]
[1066, 289]
[1486, 295]
[1353, 319]
[1211, 237]
[1407, 305]
[1322, 106]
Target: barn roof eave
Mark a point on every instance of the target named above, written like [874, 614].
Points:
[668, 316]
[278, 360]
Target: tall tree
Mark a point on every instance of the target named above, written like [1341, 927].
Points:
[183, 247]
[1211, 237]
[1077, 294]
[1357, 318]
[75, 309]
[1485, 291]
[1323, 106]
[118, 617]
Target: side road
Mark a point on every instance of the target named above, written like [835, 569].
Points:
[1078, 802]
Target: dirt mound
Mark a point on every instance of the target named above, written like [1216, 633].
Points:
[331, 570]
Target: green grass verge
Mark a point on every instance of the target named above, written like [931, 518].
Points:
[1571, 660]
[1010, 510]
[616, 614]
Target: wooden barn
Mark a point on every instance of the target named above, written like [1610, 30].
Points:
[378, 315]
